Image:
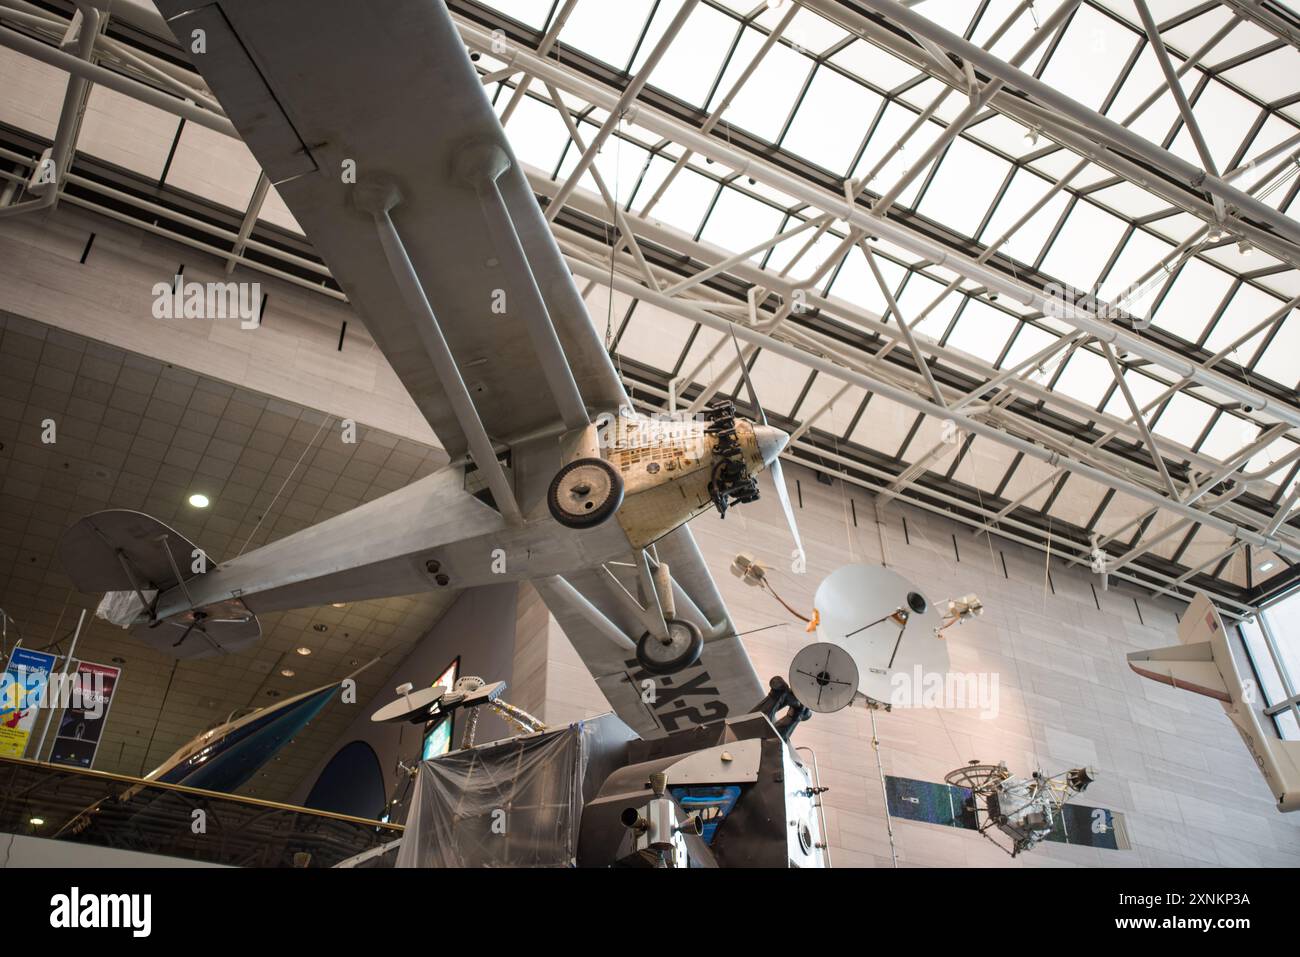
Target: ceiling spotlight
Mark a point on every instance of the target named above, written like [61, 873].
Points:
[1267, 565]
[288, 672]
[304, 651]
[199, 500]
[36, 821]
[339, 604]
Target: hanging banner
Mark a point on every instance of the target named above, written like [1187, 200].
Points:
[86, 711]
[23, 689]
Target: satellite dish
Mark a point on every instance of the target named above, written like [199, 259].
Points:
[824, 677]
[885, 624]
[417, 706]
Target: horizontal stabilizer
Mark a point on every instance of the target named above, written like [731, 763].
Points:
[123, 550]
[1183, 666]
[1203, 663]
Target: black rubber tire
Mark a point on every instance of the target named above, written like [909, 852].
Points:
[599, 511]
[657, 665]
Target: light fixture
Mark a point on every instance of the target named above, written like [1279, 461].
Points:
[288, 672]
[199, 500]
[339, 604]
[1267, 565]
[304, 651]
[36, 821]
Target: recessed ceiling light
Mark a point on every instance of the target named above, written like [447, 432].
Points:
[36, 821]
[1266, 566]
[304, 651]
[339, 604]
[287, 672]
[199, 500]
[320, 627]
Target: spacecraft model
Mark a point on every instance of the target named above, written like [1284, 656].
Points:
[1024, 809]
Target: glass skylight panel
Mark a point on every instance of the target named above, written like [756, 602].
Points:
[1269, 77]
[917, 295]
[1004, 134]
[765, 99]
[738, 222]
[1278, 361]
[619, 164]
[832, 121]
[1189, 35]
[1144, 388]
[808, 30]
[894, 122]
[1086, 377]
[654, 336]
[1247, 307]
[1087, 61]
[778, 381]
[1194, 296]
[855, 284]
[884, 425]
[531, 13]
[1029, 341]
[693, 59]
[1271, 461]
[685, 201]
[611, 40]
[537, 134]
[963, 187]
[1083, 246]
[1143, 79]
[870, 63]
[1022, 193]
[1177, 227]
[981, 330]
[1184, 419]
[1228, 436]
[837, 418]
[275, 212]
[1129, 200]
[1224, 117]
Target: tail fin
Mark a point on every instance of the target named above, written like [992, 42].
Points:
[1203, 663]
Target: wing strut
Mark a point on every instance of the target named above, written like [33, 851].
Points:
[377, 201]
[482, 165]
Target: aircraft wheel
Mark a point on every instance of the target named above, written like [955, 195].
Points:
[585, 493]
[681, 650]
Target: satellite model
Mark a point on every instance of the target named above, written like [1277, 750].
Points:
[1024, 809]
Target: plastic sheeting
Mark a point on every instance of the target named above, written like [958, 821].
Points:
[512, 804]
[121, 607]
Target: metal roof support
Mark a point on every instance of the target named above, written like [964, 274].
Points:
[772, 175]
[907, 398]
[626, 99]
[1104, 128]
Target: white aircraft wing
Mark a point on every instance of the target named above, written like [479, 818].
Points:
[336, 96]
[1202, 662]
[333, 96]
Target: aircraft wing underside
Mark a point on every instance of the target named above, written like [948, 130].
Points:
[301, 82]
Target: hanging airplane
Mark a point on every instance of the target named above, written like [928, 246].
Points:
[441, 247]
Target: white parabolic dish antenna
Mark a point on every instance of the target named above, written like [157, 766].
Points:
[885, 623]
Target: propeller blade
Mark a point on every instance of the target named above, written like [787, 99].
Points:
[774, 467]
[778, 479]
[749, 385]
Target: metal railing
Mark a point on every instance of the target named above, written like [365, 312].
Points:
[125, 813]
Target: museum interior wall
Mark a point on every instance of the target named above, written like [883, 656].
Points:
[1054, 638]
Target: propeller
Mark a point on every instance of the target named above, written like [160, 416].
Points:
[774, 445]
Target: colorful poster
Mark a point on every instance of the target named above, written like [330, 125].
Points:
[437, 733]
[85, 713]
[24, 683]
